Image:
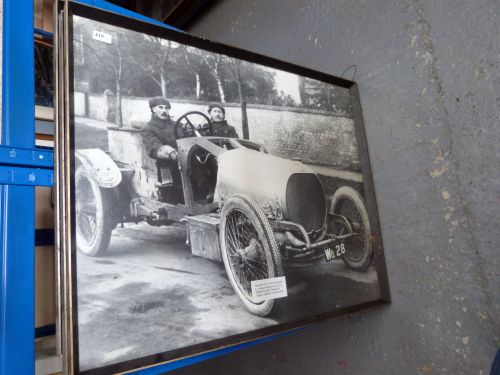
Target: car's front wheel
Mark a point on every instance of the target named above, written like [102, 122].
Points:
[249, 250]
[94, 208]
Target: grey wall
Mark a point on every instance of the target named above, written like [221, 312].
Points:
[429, 78]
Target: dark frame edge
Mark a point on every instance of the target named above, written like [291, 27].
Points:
[70, 182]
[370, 195]
[295, 327]
[68, 261]
[115, 19]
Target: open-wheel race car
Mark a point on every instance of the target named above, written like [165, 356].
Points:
[255, 212]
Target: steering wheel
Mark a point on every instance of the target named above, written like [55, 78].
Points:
[187, 125]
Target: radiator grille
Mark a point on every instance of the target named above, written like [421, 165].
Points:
[305, 200]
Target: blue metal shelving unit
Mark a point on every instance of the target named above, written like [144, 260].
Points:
[22, 168]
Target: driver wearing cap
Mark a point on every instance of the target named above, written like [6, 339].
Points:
[159, 138]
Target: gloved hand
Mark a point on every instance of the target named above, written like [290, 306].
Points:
[167, 152]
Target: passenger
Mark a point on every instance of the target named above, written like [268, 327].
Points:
[219, 126]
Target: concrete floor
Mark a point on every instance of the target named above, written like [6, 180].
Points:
[150, 295]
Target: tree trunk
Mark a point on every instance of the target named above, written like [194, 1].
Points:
[118, 118]
[198, 86]
[82, 50]
[215, 72]
[244, 121]
[163, 83]
[238, 80]
[163, 70]
[221, 89]
[244, 118]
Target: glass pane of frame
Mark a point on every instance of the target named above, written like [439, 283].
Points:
[216, 196]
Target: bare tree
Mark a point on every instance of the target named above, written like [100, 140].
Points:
[213, 61]
[194, 63]
[110, 58]
[152, 57]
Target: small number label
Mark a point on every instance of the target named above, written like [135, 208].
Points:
[337, 252]
[102, 37]
[339, 249]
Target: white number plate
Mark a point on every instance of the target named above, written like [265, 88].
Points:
[336, 252]
[102, 37]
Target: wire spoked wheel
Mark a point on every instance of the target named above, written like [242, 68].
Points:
[348, 203]
[249, 250]
[94, 220]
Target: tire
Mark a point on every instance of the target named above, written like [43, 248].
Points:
[245, 227]
[94, 207]
[349, 203]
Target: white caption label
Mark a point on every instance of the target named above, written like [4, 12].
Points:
[102, 37]
[269, 288]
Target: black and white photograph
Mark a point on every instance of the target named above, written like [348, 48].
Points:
[216, 200]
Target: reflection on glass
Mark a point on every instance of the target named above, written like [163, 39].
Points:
[43, 15]
[44, 86]
[281, 212]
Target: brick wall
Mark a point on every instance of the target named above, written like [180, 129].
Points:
[313, 138]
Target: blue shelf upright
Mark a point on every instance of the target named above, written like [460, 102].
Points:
[22, 168]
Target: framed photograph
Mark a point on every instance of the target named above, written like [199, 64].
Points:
[208, 196]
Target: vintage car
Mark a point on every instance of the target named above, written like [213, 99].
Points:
[255, 212]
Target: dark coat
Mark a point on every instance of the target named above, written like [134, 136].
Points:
[223, 129]
[157, 133]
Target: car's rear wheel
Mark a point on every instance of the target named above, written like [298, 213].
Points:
[94, 208]
[249, 250]
[349, 203]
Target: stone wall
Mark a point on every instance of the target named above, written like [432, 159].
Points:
[315, 137]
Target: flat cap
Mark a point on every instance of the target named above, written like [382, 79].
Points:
[157, 100]
[216, 105]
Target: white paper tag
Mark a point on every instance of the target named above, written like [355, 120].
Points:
[102, 37]
[269, 288]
